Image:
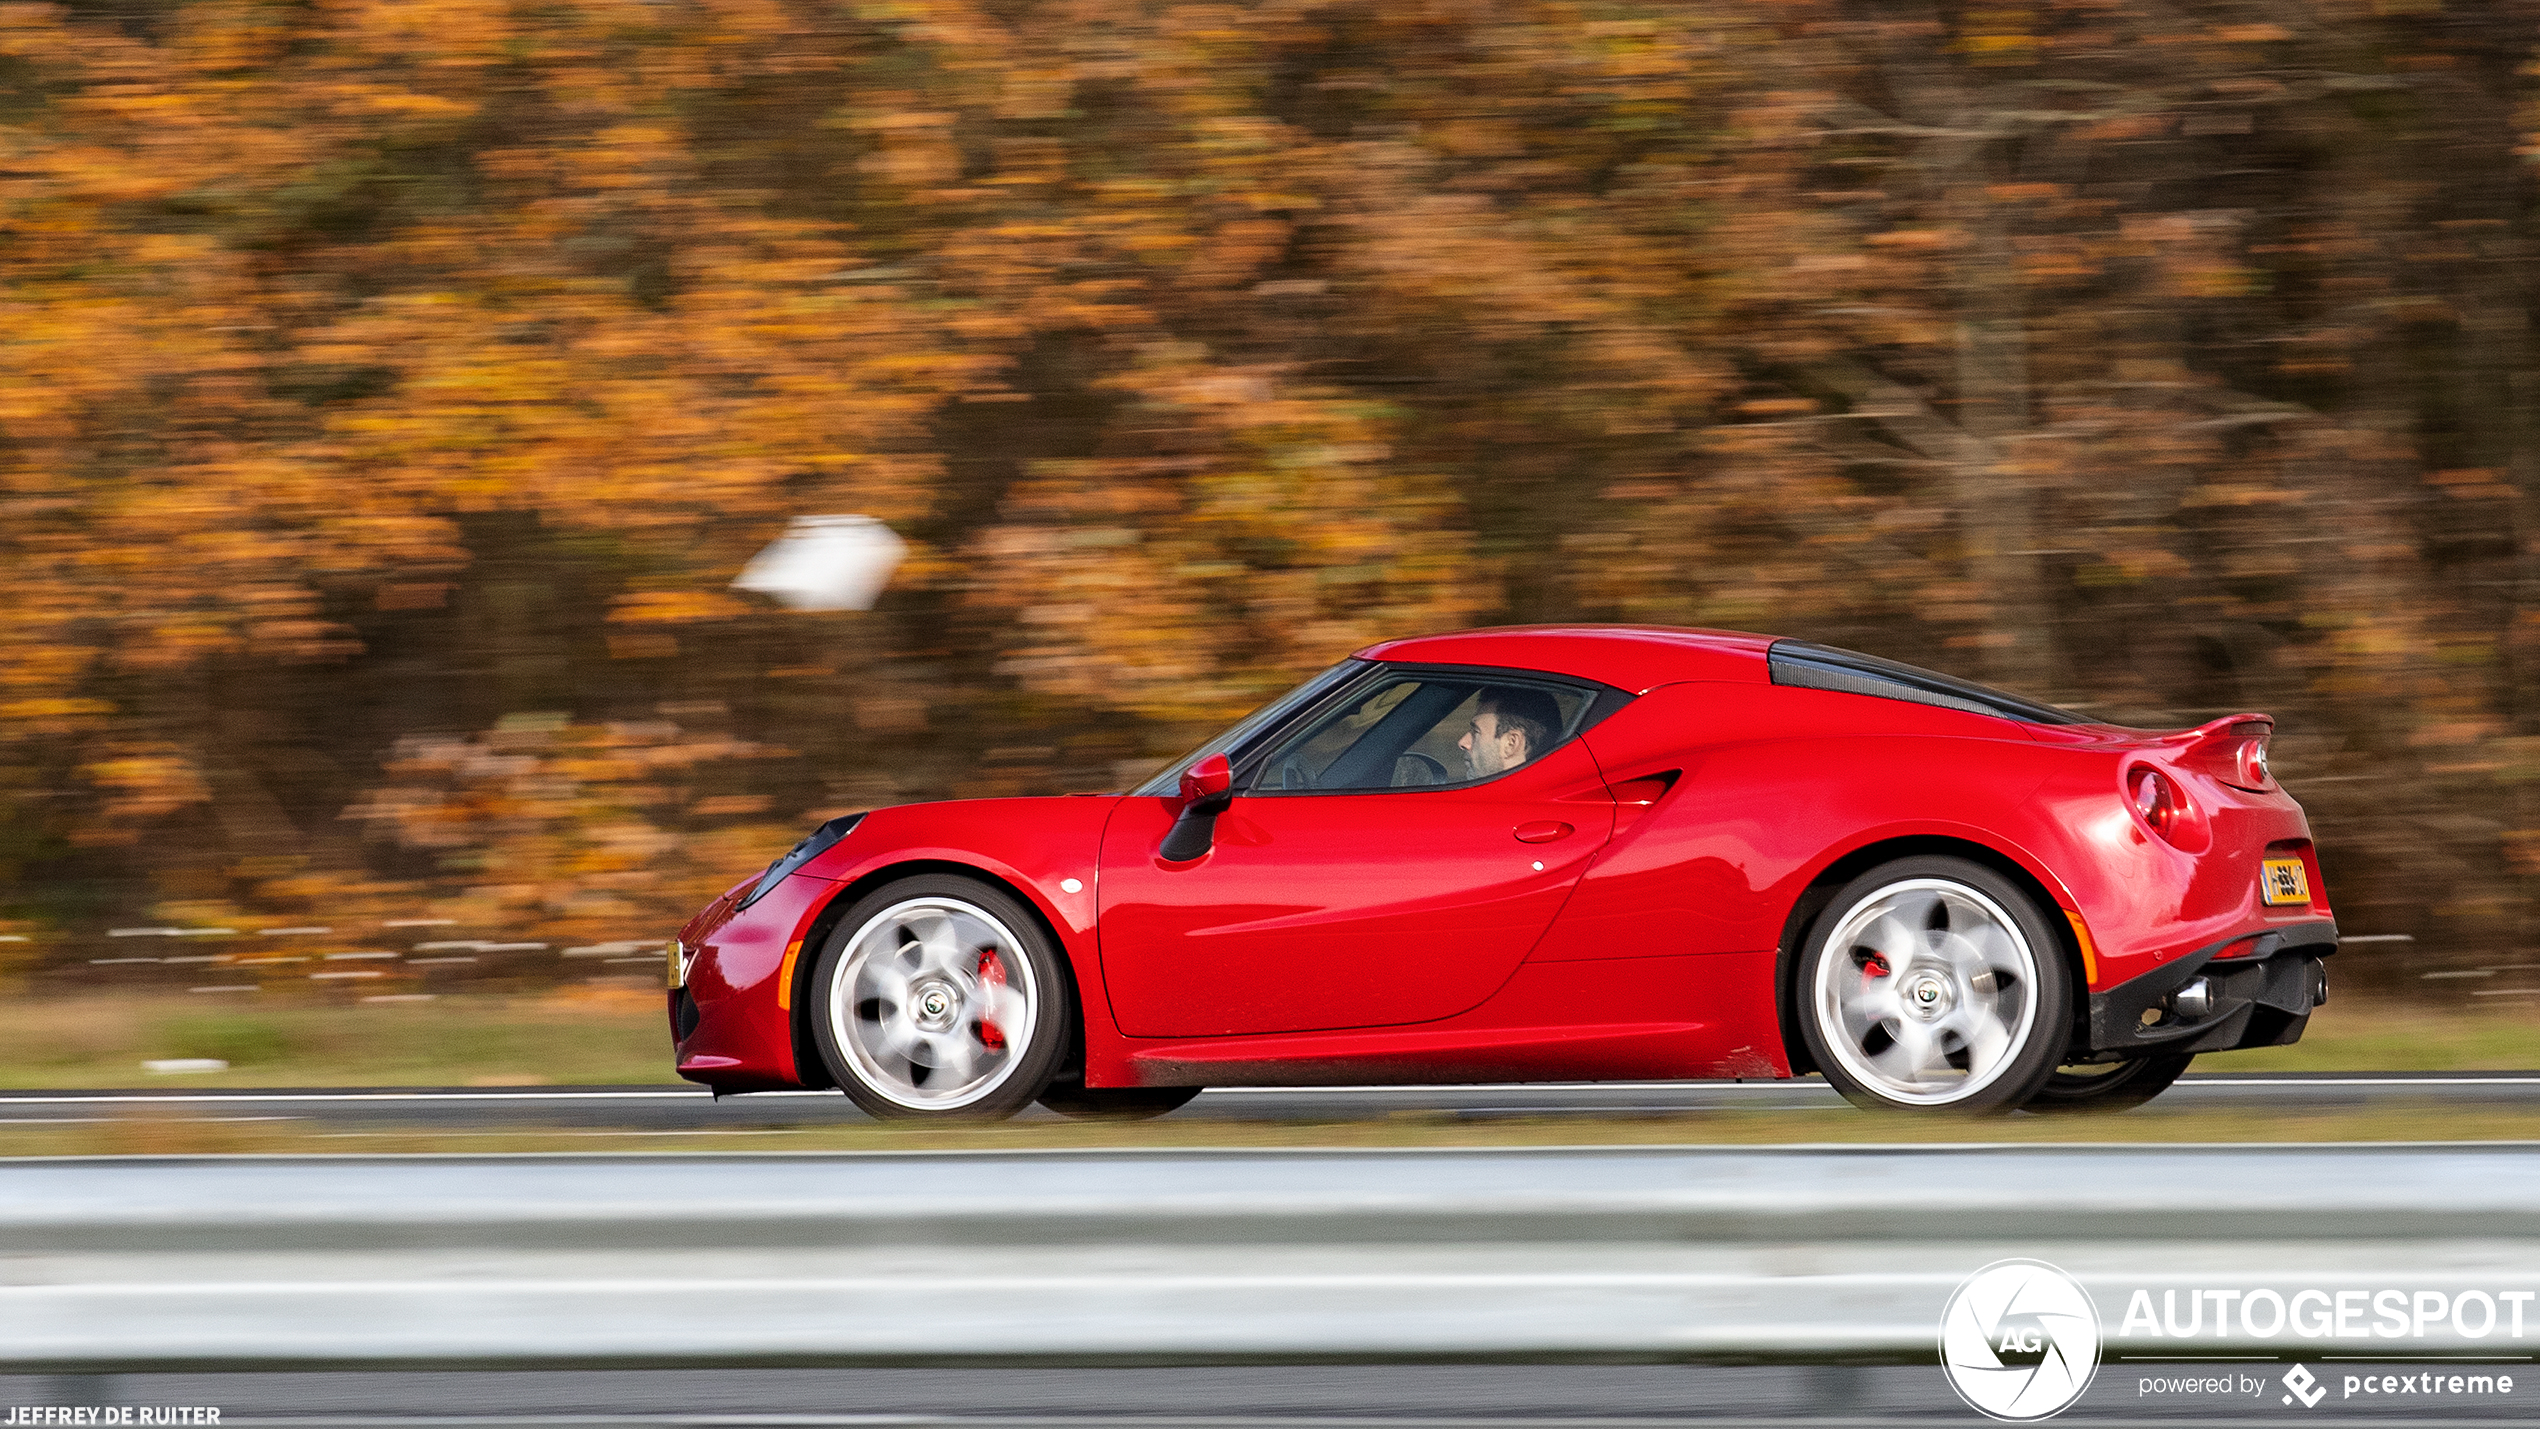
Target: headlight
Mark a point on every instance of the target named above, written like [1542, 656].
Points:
[820, 841]
[679, 953]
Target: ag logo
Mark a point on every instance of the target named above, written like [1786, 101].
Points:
[2020, 1340]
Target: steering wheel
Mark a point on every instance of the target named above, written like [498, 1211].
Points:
[1415, 769]
[1293, 774]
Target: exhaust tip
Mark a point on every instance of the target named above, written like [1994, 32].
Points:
[2193, 1001]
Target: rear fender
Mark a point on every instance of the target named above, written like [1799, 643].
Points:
[2013, 863]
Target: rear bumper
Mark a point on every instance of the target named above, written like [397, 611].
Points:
[2261, 995]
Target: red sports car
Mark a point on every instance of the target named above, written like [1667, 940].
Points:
[1547, 854]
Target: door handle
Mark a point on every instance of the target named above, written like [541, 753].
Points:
[1542, 831]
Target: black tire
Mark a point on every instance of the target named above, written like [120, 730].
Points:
[1978, 1016]
[1084, 1103]
[907, 995]
[2119, 1087]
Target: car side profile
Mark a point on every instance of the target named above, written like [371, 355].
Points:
[1547, 854]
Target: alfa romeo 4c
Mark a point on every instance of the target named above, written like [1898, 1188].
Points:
[1547, 854]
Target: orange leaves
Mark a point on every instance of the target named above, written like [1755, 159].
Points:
[911, 148]
[1917, 239]
[391, 103]
[51, 717]
[1183, 588]
[555, 827]
[141, 783]
[2476, 484]
[2002, 35]
[2054, 258]
[1190, 345]
[674, 607]
[436, 35]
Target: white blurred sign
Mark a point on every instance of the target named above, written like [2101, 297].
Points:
[826, 563]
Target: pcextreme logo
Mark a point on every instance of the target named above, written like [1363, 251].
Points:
[2305, 1385]
[2020, 1340]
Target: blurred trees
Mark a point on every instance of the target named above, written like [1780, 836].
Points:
[389, 390]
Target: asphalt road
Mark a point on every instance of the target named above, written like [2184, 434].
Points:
[1542, 1396]
[678, 1109]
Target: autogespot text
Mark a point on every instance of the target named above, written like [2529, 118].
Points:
[2325, 1314]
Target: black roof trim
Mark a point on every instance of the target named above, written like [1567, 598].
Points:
[1823, 667]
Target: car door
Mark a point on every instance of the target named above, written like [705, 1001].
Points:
[1408, 893]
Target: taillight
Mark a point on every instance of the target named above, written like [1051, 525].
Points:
[2250, 760]
[2156, 799]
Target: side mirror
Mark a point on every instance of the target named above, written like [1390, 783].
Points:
[1207, 788]
[1208, 779]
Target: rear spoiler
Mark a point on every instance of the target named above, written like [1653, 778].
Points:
[2232, 749]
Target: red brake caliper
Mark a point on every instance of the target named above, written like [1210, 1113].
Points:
[991, 974]
[1874, 966]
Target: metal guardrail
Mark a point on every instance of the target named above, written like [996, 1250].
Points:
[1786, 1254]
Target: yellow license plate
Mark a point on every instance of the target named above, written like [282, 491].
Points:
[2285, 880]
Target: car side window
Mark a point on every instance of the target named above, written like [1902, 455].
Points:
[1420, 731]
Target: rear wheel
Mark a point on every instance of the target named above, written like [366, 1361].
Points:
[939, 998]
[2118, 1086]
[1072, 1098]
[1934, 984]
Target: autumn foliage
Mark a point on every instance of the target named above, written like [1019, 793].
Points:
[390, 390]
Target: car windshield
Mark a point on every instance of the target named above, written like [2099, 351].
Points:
[1232, 742]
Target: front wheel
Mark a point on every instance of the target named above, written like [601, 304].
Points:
[939, 998]
[2121, 1086]
[1934, 984]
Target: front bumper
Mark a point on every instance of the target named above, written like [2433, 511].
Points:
[2259, 996]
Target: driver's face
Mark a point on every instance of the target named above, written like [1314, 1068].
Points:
[1489, 749]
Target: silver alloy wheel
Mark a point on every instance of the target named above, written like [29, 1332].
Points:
[1926, 991]
[933, 1003]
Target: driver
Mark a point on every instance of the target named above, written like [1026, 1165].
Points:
[1511, 724]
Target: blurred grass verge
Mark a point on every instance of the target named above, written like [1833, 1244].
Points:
[158, 1135]
[617, 1036]
[579, 1036]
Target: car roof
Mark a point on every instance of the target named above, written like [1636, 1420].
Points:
[1628, 657]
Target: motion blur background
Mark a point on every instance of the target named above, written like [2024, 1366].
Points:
[390, 391]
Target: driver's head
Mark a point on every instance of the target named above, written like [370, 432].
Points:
[1511, 724]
